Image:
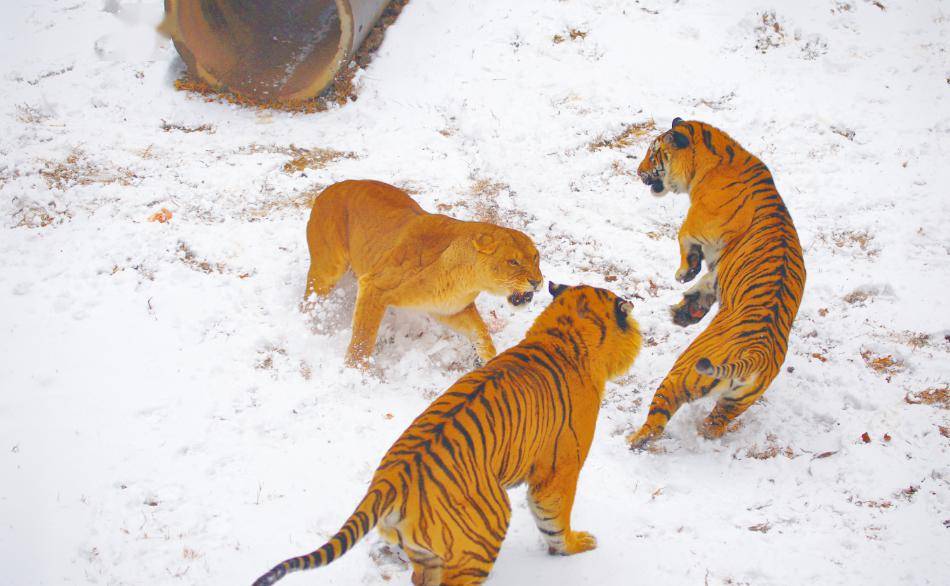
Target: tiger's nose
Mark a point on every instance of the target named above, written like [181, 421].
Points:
[645, 177]
[535, 284]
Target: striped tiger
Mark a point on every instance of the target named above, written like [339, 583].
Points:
[739, 225]
[527, 416]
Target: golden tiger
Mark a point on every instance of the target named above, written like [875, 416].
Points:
[527, 416]
[738, 223]
[405, 257]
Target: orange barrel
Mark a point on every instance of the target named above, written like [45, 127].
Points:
[269, 50]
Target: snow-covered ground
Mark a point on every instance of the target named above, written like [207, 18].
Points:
[168, 416]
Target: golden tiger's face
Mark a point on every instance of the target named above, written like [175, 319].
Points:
[513, 264]
[605, 320]
[667, 165]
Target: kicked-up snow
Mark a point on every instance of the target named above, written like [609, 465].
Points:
[168, 415]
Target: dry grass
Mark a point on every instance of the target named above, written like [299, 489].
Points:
[572, 34]
[720, 103]
[77, 169]
[33, 215]
[169, 126]
[770, 450]
[29, 115]
[483, 202]
[316, 158]
[340, 91]
[769, 33]
[860, 241]
[299, 201]
[631, 134]
[932, 396]
[915, 340]
[885, 365]
[857, 296]
[187, 256]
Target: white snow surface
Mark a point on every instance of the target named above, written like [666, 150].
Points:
[168, 416]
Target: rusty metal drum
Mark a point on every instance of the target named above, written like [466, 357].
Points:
[281, 51]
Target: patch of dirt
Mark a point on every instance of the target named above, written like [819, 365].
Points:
[340, 91]
[631, 134]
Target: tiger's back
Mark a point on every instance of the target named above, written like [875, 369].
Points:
[528, 416]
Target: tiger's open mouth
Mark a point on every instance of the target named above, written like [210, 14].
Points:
[517, 299]
[653, 180]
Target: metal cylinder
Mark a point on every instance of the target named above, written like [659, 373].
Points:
[269, 50]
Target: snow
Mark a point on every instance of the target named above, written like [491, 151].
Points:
[168, 416]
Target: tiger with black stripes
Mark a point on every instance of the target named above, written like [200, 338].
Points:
[739, 225]
[527, 416]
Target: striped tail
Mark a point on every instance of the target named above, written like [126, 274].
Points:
[741, 369]
[376, 504]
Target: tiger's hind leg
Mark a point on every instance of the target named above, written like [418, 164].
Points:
[696, 302]
[732, 403]
[426, 568]
[471, 553]
[682, 385]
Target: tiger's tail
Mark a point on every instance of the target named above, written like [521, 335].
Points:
[377, 503]
[742, 368]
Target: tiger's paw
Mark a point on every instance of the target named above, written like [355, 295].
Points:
[690, 310]
[575, 542]
[692, 265]
[639, 440]
[688, 273]
[712, 428]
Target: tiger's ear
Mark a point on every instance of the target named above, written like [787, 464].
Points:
[676, 122]
[485, 243]
[554, 289]
[624, 306]
[677, 139]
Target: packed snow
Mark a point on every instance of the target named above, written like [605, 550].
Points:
[168, 416]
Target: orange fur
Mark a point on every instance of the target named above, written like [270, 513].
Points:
[738, 224]
[405, 257]
[526, 416]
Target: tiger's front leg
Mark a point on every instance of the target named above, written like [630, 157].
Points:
[691, 260]
[697, 301]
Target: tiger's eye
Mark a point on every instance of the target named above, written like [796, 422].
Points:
[513, 262]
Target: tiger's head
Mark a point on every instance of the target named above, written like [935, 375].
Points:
[672, 160]
[596, 321]
[509, 261]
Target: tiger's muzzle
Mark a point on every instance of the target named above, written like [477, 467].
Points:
[653, 180]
